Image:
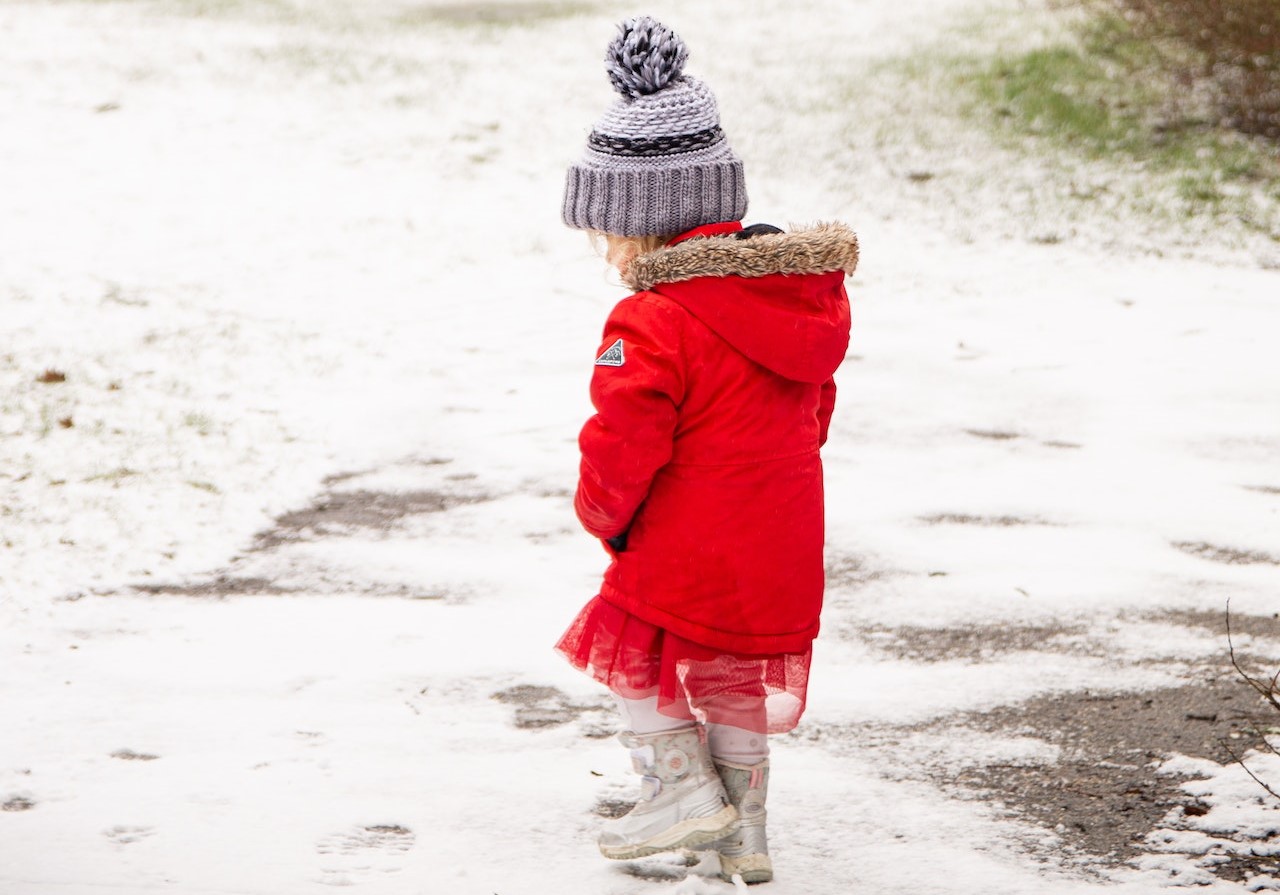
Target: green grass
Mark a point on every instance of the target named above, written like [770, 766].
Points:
[114, 476]
[1055, 92]
[202, 423]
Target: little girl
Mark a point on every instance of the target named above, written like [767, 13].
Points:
[700, 470]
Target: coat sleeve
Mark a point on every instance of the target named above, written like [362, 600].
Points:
[826, 404]
[630, 436]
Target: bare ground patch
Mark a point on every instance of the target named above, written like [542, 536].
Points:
[611, 806]
[223, 586]
[971, 643]
[130, 755]
[847, 571]
[991, 521]
[1267, 626]
[994, 434]
[537, 707]
[1229, 555]
[985, 643]
[341, 513]
[338, 511]
[218, 586]
[1104, 795]
[1010, 435]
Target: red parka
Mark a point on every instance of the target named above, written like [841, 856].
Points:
[713, 393]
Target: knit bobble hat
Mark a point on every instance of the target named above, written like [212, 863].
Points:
[657, 162]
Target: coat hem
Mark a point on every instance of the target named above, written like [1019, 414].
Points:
[736, 643]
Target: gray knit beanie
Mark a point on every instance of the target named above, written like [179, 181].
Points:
[657, 163]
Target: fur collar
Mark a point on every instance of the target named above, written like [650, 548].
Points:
[820, 249]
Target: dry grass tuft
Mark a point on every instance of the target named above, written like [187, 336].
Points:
[1227, 49]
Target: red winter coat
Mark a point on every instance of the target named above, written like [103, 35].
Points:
[713, 392]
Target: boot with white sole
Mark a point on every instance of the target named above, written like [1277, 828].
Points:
[746, 853]
[682, 801]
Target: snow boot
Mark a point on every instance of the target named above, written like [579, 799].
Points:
[747, 852]
[682, 801]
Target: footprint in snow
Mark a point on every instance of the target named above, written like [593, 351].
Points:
[17, 803]
[130, 755]
[125, 835]
[362, 852]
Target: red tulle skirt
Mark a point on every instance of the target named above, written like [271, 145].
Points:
[636, 660]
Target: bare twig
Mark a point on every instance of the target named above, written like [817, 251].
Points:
[1240, 761]
[1267, 689]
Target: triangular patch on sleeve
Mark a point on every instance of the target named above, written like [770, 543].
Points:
[612, 356]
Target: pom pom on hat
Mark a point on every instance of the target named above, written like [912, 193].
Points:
[645, 57]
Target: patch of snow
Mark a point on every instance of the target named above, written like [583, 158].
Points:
[283, 252]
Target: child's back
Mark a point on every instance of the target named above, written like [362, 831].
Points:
[712, 420]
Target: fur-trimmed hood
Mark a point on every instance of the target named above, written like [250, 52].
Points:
[823, 248]
[777, 298]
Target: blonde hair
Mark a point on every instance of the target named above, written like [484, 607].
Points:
[620, 251]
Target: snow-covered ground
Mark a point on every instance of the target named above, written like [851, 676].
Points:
[282, 558]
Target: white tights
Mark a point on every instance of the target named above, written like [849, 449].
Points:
[726, 742]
